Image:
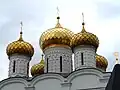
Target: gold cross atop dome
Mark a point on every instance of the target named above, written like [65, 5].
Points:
[21, 25]
[83, 17]
[58, 11]
[116, 54]
[58, 25]
[83, 23]
[42, 56]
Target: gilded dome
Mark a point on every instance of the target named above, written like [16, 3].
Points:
[85, 38]
[101, 62]
[38, 69]
[56, 35]
[20, 47]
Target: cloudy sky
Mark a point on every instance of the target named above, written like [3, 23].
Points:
[102, 17]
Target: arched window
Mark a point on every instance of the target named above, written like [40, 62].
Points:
[14, 66]
[60, 63]
[82, 61]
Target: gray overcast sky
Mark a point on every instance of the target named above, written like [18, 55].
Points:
[102, 17]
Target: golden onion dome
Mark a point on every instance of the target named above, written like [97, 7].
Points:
[101, 62]
[20, 47]
[85, 38]
[56, 36]
[38, 69]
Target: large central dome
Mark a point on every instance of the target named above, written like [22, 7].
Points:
[56, 36]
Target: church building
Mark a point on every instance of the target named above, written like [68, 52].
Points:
[62, 49]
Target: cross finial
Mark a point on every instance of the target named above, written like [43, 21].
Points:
[83, 29]
[58, 18]
[21, 25]
[42, 56]
[116, 54]
[83, 18]
[58, 11]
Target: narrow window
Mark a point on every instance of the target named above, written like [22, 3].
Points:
[47, 65]
[60, 63]
[28, 68]
[82, 62]
[14, 66]
[71, 66]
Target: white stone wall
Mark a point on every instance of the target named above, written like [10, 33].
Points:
[14, 86]
[21, 65]
[82, 79]
[53, 54]
[88, 56]
[55, 85]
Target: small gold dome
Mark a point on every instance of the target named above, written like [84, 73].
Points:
[20, 47]
[38, 69]
[101, 62]
[85, 38]
[57, 35]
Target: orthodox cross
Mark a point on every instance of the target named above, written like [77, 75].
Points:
[116, 54]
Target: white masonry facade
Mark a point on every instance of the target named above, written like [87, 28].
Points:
[82, 79]
[86, 77]
[58, 72]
